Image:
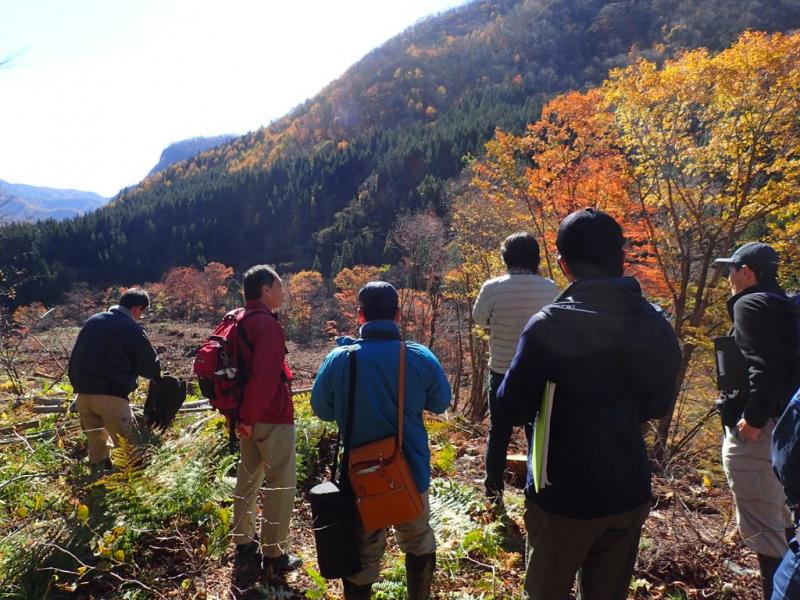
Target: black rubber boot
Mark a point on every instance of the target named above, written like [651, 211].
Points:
[246, 567]
[356, 592]
[419, 575]
[767, 565]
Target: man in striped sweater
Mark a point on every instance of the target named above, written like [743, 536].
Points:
[504, 306]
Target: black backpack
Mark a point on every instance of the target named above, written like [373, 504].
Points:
[785, 447]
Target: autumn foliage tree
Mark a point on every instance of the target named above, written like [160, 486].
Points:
[692, 158]
[348, 281]
[305, 295]
[567, 160]
[714, 150]
[191, 293]
[422, 242]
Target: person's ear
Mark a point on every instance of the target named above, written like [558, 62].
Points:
[360, 315]
[562, 264]
[397, 315]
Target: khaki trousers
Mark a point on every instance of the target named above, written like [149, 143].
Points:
[415, 537]
[267, 457]
[761, 512]
[104, 420]
[602, 551]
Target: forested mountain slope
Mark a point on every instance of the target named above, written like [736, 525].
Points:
[321, 186]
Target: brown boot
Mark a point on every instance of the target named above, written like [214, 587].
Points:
[356, 592]
[419, 575]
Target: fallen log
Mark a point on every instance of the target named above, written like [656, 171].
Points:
[50, 400]
[20, 426]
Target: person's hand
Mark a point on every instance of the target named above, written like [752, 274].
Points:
[245, 431]
[747, 433]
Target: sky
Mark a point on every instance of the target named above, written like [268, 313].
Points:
[92, 91]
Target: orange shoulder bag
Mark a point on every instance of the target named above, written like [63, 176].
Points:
[384, 489]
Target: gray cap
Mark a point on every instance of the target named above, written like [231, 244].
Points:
[756, 255]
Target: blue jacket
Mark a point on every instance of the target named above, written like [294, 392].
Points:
[112, 349]
[614, 360]
[375, 416]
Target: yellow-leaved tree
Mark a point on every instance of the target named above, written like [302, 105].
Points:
[714, 148]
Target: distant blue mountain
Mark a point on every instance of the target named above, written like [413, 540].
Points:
[187, 149]
[20, 202]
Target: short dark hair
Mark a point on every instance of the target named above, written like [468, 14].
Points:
[763, 274]
[255, 277]
[521, 251]
[134, 297]
[378, 300]
[591, 243]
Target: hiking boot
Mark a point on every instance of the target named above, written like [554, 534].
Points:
[246, 566]
[356, 592]
[419, 575]
[277, 566]
[101, 468]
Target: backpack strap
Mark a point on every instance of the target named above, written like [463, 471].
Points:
[241, 316]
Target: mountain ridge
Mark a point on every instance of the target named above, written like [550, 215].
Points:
[23, 202]
[323, 184]
[186, 149]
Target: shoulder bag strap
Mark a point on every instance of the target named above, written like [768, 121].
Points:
[401, 395]
[348, 427]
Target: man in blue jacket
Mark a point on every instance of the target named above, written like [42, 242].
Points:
[614, 362]
[111, 351]
[375, 417]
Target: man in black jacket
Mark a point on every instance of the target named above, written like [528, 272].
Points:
[763, 330]
[111, 351]
[614, 361]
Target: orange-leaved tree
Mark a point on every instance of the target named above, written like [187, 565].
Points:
[567, 160]
[349, 281]
[714, 147]
[305, 293]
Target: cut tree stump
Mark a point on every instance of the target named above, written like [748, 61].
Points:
[516, 470]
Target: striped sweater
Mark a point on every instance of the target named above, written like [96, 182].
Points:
[504, 305]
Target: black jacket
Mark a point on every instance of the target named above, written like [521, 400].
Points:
[614, 360]
[764, 331]
[112, 349]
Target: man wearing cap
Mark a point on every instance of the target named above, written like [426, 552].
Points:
[763, 330]
[375, 417]
[614, 362]
[504, 306]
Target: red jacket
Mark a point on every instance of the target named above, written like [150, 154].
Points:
[267, 397]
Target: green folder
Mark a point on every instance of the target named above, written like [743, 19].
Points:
[541, 438]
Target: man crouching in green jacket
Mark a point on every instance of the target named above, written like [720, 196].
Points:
[375, 417]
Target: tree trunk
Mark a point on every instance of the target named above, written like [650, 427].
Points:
[665, 423]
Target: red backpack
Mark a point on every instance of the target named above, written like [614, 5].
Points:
[219, 368]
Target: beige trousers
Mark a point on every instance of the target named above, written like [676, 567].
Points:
[415, 537]
[267, 457]
[104, 419]
[761, 512]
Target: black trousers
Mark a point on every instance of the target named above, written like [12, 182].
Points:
[497, 443]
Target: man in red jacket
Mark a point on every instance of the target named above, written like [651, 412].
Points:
[266, 430]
